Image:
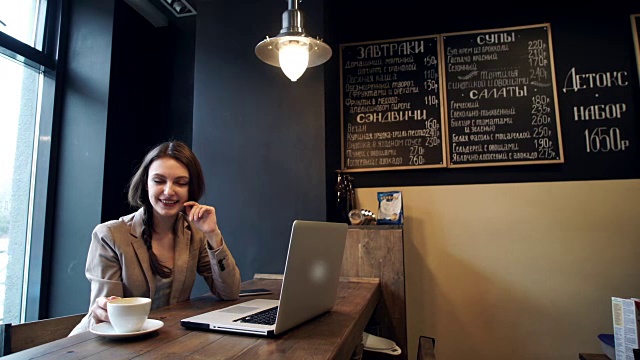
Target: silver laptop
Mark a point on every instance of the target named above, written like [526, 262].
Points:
[309, 286]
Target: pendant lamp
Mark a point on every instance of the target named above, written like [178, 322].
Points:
[292, 50]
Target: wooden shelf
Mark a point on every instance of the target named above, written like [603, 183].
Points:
[594, 357]
[375, 227]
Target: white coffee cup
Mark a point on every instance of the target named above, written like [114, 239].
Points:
[127, 315]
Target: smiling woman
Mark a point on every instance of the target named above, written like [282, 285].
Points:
[156, 252]
[168, 186]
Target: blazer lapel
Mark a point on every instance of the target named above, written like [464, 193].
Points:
[141, 251]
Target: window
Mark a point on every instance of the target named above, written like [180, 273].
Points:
[27, 76]
[21, 20]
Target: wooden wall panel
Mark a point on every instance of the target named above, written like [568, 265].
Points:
[378, 251]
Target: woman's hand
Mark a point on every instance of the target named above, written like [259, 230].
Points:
[99, 309]
[204, 218]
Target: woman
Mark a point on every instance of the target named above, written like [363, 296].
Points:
[156, 251]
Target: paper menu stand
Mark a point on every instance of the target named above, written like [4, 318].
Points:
[390, 210]
[626, 323]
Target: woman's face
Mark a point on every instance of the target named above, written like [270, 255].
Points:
[168, 186]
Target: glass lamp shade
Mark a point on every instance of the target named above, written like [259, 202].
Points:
[294, 58]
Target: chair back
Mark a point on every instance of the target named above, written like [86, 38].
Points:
[18, 337]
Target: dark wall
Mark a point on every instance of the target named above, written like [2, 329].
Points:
[594, 37]
[81, 152]
[128, 86]
[151, 96]
[260, 137]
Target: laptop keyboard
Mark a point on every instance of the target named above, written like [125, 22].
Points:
[264, 317]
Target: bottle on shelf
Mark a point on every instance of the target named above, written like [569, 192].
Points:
[342, 198]
[353, 204]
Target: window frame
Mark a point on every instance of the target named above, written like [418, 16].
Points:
[38, 251]
[41, 60]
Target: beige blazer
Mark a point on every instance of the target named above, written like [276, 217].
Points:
[118, 264]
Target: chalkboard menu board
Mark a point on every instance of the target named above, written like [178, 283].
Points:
[500, 97]
[391, 105]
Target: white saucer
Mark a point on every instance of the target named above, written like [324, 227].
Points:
[380, 344]
[105, 329]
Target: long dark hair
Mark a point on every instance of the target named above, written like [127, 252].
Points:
[139, 196]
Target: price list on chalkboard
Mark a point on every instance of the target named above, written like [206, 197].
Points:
[392, 116]
[500, 97]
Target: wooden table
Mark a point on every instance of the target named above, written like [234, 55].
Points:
[333, 335]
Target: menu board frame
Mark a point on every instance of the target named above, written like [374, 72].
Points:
[442, 161]
[556, 110]
[635, 27]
